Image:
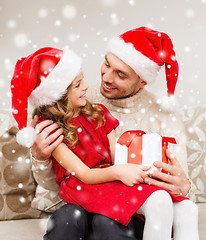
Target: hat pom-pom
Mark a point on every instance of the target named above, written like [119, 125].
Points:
[26, 136]
[168, 104]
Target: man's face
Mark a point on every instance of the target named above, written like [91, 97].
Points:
[118, 79]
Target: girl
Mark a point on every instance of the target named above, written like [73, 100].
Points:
[83, 162]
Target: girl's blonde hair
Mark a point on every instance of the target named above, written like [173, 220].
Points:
[62, 112]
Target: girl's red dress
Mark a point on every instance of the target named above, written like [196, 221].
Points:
[112, 199]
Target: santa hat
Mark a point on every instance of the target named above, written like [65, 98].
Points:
[145, 51]
[43, 78]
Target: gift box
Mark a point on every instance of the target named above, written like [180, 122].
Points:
[135, 146]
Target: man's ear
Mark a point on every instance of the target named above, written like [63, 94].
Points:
[143, 83]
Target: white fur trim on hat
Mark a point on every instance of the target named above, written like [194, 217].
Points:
[26, 136]
[168, 104]
[142, 65]
[54, 86]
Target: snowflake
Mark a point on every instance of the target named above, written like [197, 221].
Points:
[126, 110]
[108, 3]
[20, 40]
[114, 19]
[55, 39]
[116, 208]
[72, 37]
[77, 213]
[134, 200]
[11, 23]
[43, 13]
[133, 155]
[19, 159]
[131, 2]
[27, 160]
[22, 199]
[6, 135]
[69, 12]
[162, 19]
[174, 119]
[187, 49]
[58, 23]
[142, 110]
[2, 83]
[156, 227]
[189, 13]
[121, 123]
[79, 188]
[42, 167]
[20, 185]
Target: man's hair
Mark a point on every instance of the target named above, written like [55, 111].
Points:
[62, 113]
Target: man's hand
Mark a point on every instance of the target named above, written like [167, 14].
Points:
[45, 142]
[176, 181]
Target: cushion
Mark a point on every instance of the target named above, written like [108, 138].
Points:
[195, 124]
[17, 185]
[47, 200]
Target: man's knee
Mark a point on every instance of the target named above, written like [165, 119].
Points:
[100, 220]
[69, 220]
[105, 228]
[71, 215]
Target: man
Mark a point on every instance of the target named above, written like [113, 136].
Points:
[133, 60]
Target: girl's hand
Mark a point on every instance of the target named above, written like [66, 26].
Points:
[131, 174]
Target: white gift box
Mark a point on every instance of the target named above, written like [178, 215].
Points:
[137, 147]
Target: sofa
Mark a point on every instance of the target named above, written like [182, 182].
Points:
[25, 206]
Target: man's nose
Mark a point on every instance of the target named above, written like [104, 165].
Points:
[108, 76]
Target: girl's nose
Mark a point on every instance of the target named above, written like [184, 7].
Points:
[85, 85]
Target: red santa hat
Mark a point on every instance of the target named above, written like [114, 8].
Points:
[43, 78]
[145, 51]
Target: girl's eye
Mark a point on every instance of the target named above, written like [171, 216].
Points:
[77, 85]
[106, 64]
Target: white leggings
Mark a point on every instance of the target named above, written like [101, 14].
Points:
[161, 214]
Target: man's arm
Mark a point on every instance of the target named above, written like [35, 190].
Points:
[41, 151]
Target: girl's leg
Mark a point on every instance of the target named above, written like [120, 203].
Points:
[185, 221]
[158, 212]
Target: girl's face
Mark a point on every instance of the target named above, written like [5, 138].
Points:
[77, 95]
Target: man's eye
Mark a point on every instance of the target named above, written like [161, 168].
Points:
[106, 64]
[121, 76]
[77, 85]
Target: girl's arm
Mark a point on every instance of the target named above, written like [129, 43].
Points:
[68, 160]
[129, 174]
[112, 142]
